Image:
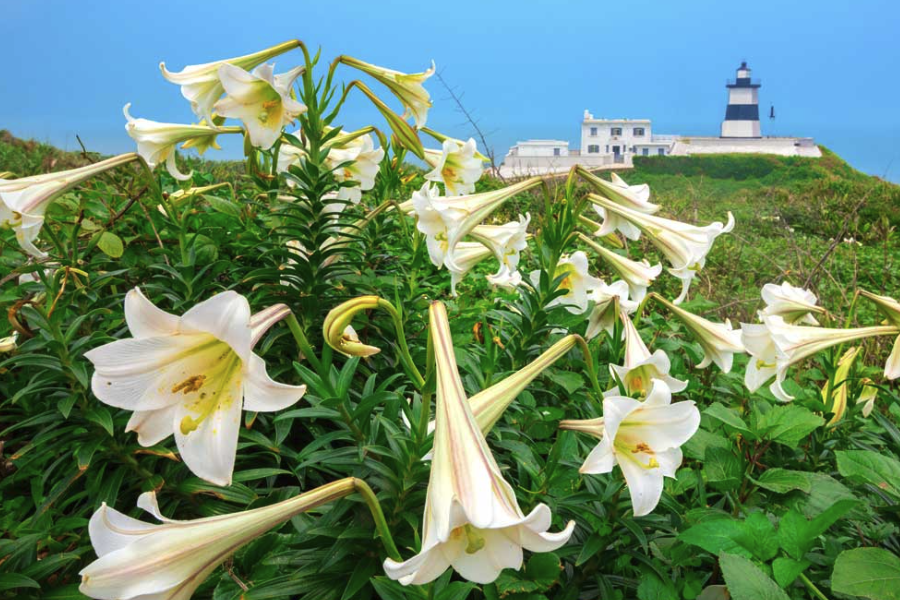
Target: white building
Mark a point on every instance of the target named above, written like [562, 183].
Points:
[546, 148]
[621, 139]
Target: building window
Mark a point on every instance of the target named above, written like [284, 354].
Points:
[638, 132]
[615, 131]
[556, 152]
[593, 149]
[646, 152]
[607, 148]
[593, 132]
[661, 151]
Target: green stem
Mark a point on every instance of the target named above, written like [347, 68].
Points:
[405, 356]
[812, 587]
[302, 343]
[378, 515]
[589, 361]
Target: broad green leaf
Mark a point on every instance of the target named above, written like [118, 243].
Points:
[869, 572]
[111, 244]
[786, 570]
[11, 581]
[789, 424]
[223, 205]
[728, 416]
[716, 536]
[723, 469]
[702, 440]
[797, 534]
[870, 467]
[782, 481]
[757, 534]
[654, 588]
[824, 492]
[746, 581]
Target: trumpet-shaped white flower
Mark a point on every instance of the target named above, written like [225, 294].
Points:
[156, 141]
[635, 197]
[889, 307]
[757, 341]
[577, 282]
[472, 521]
[407, 88]
[609, 302]
[643, 438]
[261, 100]
[200, 83]
[507, 242]
[357, 162]
[682, 244]
[793, 304]
[24, 201]
[288, 156]
[8, 343]
[466, 256]
[168, 561]
[641, 367]
[794, 343]
[457, 166]
[719, 341]
[638, 275]
[191, 376]
[446, 221]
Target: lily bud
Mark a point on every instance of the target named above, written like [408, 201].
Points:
[137, 559]
[841, 389]
[337, 321]
[889, 307]
[8, 344]
[406, 135]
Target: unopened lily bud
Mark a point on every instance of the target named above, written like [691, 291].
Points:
[338, 332]
[8, 344]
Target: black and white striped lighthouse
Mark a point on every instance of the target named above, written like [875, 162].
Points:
[742, 114]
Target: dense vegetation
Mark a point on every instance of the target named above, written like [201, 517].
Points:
[775, 500]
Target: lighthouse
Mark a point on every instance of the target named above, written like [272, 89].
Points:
[742, 114]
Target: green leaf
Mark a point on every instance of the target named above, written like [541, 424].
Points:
[746, 581]
[723, 469]
[543, 568]
[11, 581]
[223, 205]
[789, 424]
[728, 416]
[458, 590]
[571, 382]
[111, 244]
[786, 570]
[870, 467]
[757, 534]
[716, 536]
[100, 415]
[782, 481]
[797, 534]
[870, 572]
[702, 440]
[654, 588]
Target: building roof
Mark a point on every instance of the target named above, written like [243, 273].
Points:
[542, 142]
[645, 121]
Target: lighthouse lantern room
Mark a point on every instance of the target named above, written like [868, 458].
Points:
[742, 114]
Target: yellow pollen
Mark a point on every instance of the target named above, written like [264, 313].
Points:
[189, 385]
[448, 173]
[642, 447]
[188, 424]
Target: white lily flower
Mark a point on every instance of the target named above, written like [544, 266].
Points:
[261, 100]
[719, 341]
[609, 302]
[507, 242]
[360, 160]
[577, 282]
[200, 83]
[643, 438]
[407, 88]
[757, 341]
[794, 343]
[168, 561]
[641, 367]
[288, 156]
[466, 256]
[635, 197]
[446, 221]
[682, 244]
[638, 275]
[793, 304]
[456, 166]
[472, 521]
[505, 278]
[191, 376]
[24, 201]
[156, 141]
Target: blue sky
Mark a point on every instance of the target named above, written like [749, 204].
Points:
[525, 69]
